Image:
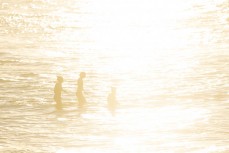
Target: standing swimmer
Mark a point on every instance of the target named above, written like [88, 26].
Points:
[80, 89]
[57, 92]
[111, 101]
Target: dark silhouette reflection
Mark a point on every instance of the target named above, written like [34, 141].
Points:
[80, 89]
[81, 109]
[59, 113]
[57, 92]
[111, 101]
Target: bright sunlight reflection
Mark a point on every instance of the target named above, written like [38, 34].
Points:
[140, 34]
[157, 123]
[162, 119]
[134, 26]
[139, 30]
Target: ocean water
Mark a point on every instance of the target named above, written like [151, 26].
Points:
[168, 60]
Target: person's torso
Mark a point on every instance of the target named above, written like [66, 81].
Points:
[58, 88]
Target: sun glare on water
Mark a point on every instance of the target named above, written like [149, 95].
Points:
[133, 26]
[140, 37]
[157, 123]
[140, 31]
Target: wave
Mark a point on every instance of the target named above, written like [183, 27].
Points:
[3, 53]
[15, 61]
[29, 74]
[4, 80]
[9, 61]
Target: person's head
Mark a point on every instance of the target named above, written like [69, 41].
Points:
[82, 74]
[60, 79]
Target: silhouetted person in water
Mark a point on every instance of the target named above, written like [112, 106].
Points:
[80, 89]
[57, 92]
[111, 101]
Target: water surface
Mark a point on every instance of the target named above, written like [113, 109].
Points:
[168, 60]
